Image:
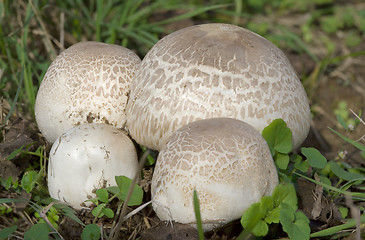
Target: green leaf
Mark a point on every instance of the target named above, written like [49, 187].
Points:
[29, 180]
[282, 161]
[278, 137]
[124, 184]
[252, 220]
[38, 231]
[344, 211]
[97, 211]
[68, 212]
[299, 164]
[285, 193]
[342, 173]
[113, 190]
[15, 153]
[102, 195]
[7, 232]
[314, 157]
[91, 232]
[108, 212]
[267, 205]
[273, 216]
[295, 224]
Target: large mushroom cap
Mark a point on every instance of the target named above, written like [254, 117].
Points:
[88, 157]
[214, 70]
[88, 82]
[226, 160]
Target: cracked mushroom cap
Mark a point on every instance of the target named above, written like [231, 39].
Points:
[209, 71]
[88, 157]
[88, 82]
[226, 160]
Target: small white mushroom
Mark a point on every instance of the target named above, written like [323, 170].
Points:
[214, 70]
[88, 82]
[226, 160]
[88, 157]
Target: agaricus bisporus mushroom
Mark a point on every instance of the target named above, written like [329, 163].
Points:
[225, 160]
[214, 70]
[88, 157]
[88, 82]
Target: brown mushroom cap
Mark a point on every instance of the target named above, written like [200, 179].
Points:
[88, 82]
[226, 160]
[214, 70]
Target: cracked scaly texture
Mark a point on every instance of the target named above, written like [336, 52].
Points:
[214, 70]
[88, 82]
[226, 160]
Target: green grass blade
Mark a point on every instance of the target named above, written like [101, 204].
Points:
[190, 14]
[354, 143]
[143, 13]
[298, 41]
[198, 216]
[332, 230]
[360, 196]
[13, 104]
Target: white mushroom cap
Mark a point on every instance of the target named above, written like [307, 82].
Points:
[88, 82]
[88, 157]
[226, 160]
[214, 70]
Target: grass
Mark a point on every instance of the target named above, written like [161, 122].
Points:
[323, 33]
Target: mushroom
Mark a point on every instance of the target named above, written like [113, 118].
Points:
[88, 157]
[209, 71]
[88, 82]
[225, 160]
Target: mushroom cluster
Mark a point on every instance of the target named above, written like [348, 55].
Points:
[85, 88]
[201, 97]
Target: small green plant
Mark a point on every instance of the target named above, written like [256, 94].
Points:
[45, 210]
[48, 216]
[102, 201]
[4, 210]
[122, 188]
[281, 207]
[32, 177]
[343, 117]
[52, 216]
[279, 139]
